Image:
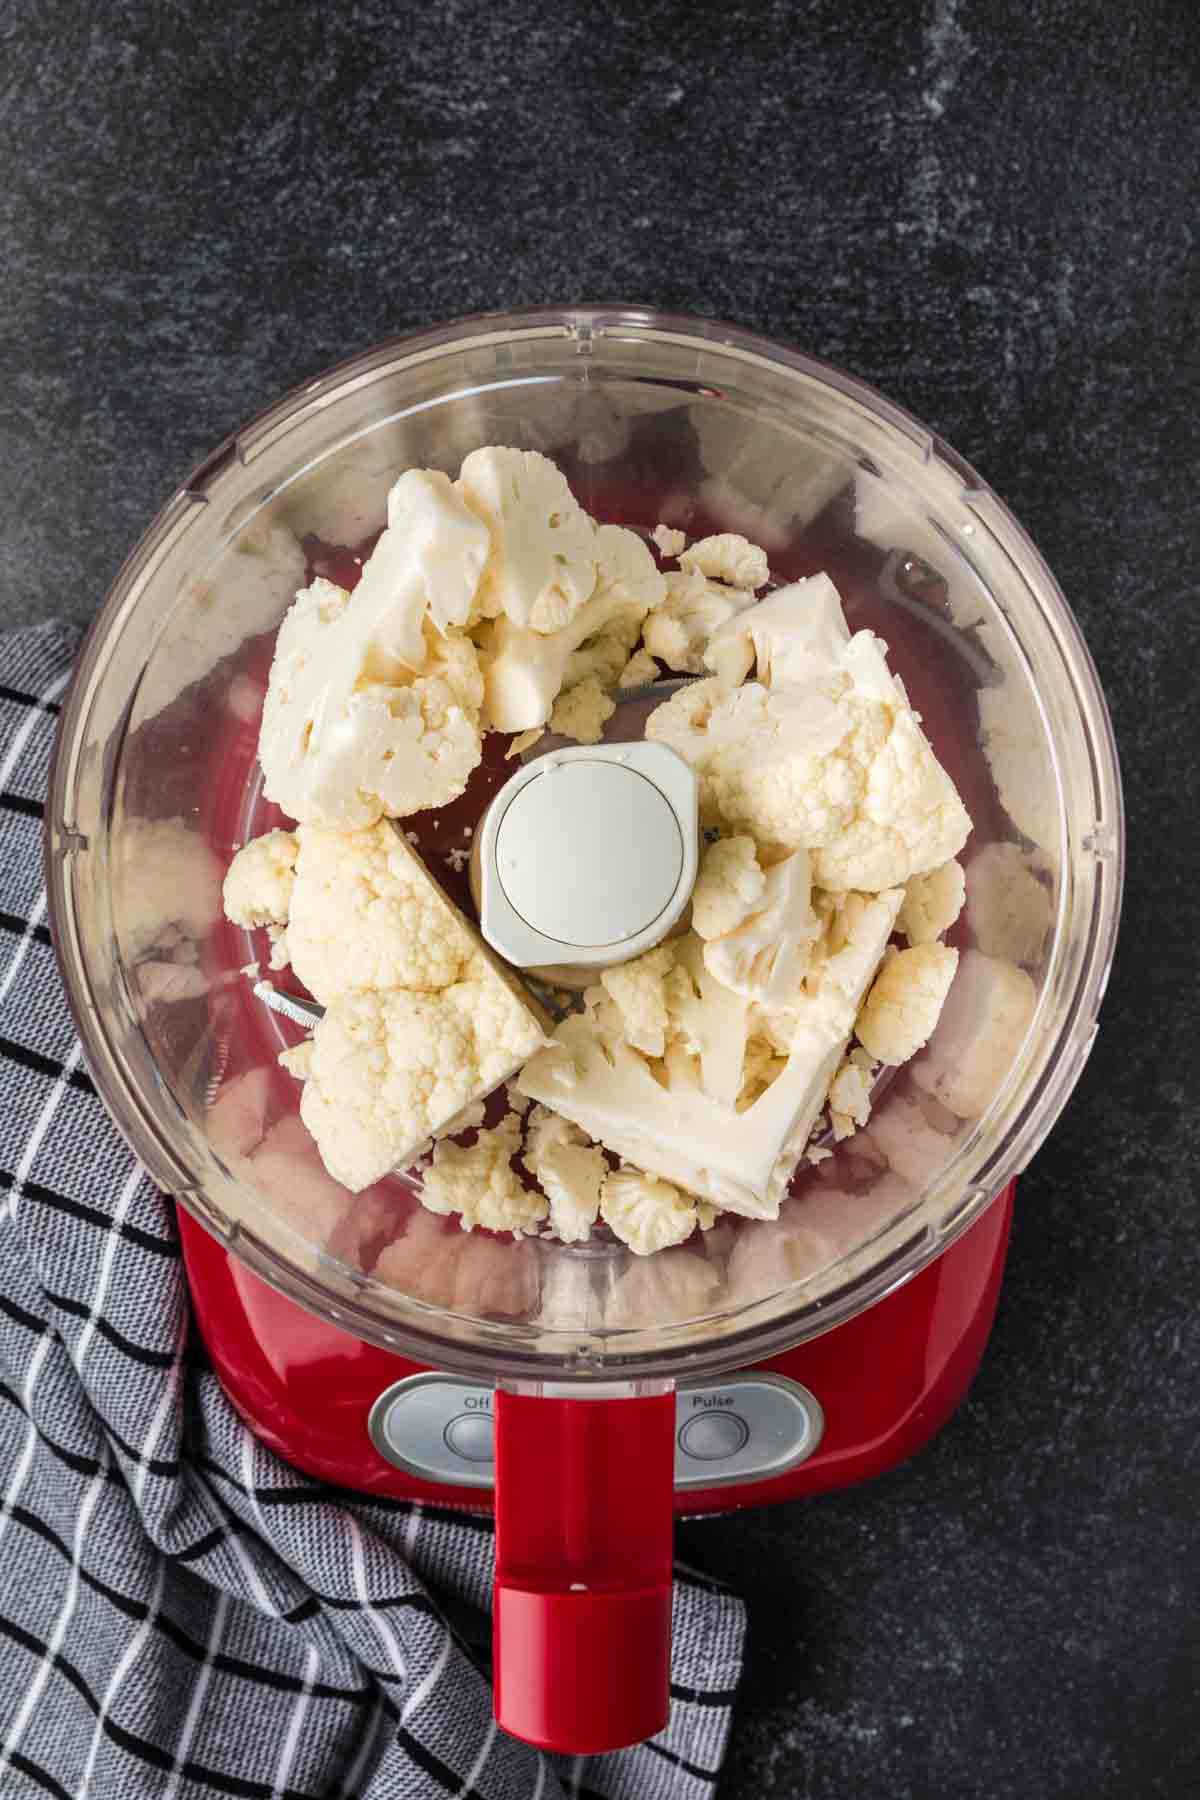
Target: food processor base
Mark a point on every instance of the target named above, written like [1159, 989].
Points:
[867, 1394]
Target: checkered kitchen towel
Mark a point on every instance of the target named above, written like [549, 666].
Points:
[182, 1614]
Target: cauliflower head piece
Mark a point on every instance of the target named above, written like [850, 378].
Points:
[542, 565]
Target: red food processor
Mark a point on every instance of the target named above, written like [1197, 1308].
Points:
[588, 1395]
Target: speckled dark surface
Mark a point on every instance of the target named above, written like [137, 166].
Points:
[987, 209]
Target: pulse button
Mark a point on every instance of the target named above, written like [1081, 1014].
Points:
[712, 1436]
[471, 1436]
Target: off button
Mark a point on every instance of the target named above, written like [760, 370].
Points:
[712, 1436]
[471, 1436]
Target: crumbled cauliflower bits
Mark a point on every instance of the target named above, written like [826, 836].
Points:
[479, 1184]
[932, 903]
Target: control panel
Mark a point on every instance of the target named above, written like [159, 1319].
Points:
[745, 1428]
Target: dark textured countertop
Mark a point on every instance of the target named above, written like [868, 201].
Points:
[988, 210]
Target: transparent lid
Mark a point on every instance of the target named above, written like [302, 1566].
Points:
[654, 419]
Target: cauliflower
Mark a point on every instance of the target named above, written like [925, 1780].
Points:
[389, 1069]
[849, 1098]
[765, 952]
[469, 1119]
[166, 886]
[480, 1185]
[524, 740]
[979, 1035]
[667, 540]
[1008, 909]
[581, 712]
[1016, 752]
[906, 1001]
[525, 669]
[366, 913]
[466, 1273]
[645, 1212]
[542, 566]
[682, 724]
[248, 592]
[640, 671]
[675, 1286]
[932, 903]
[660, 1115]
[727, 887]
[569, 1168]
[678, 630]
[351, 729]
[637, 990]
[795, 634]
[706, 1021]
[728, 557]
[258, 885]
[914, 1135]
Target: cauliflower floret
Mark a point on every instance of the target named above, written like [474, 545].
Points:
[706, 1021]
[728, 557]
[765, 953]
[795, 634]
[646, 1212]
[350, 729]
[727, 887]
[979, 1034]
[640, 671]
[542, 566]
[836, 770]
[682, 723]
[386, 1071]
[467, 1273]
[1016, 752]
[365, 913]
[694, 608]
[637, 989]
[905, 1002]
[932, 903]
[849, 1098]
[663, 1290]
[258, 886]
[480, 1185]
[915, 1135]
[166, 888]
[582, 712]
[469, 1119]
[390, 1069]
[569, 1168]
[668, 541]
[525, 669]
[1008, 909]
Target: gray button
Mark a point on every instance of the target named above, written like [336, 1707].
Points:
[471, 1436]
[711, 1436]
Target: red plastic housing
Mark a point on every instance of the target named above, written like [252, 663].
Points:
[582, 1612]
[886, 1380]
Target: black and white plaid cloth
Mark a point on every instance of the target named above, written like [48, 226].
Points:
[182, 1614]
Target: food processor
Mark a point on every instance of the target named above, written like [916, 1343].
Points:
[586, 1394]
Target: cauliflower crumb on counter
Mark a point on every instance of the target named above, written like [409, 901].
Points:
[709, 1065]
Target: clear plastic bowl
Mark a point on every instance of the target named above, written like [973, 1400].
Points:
[653, 417]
